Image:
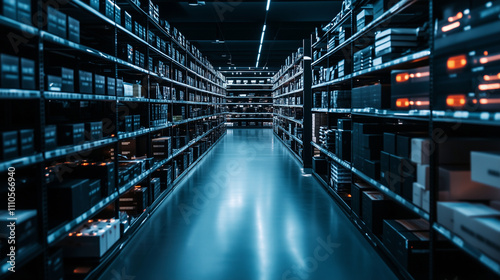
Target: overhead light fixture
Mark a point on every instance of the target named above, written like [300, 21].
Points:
[218, 42]
[196, 3]
[268, 4]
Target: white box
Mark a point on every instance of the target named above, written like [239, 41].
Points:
[128, 90]
[485, 168]
[113, 227]
[423, 175]
[446, 212]
[137, 90]
[452, 151]
[458, 182]
[473, 210]
[417, 194]
[86, 244]
[483, 233]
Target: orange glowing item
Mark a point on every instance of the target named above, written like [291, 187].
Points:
[485, 101]
[488, 59]
[455, 100]
[103, 164]
[400, 78]
[457, 62]
[489, 86]
[403, 102]
[349, 195]
[450, 27]
[79, 234]
[460, 15]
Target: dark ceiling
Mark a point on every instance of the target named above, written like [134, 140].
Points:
[239, 23]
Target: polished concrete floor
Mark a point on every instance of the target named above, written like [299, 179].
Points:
[248, 211]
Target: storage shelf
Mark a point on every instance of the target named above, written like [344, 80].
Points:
[279, 76]
[289, 148]
[63, 151]
[133, 99]
[424, 215]
[23, 256]
[20, 162]
[301, 90]
[421, 55]
[75, 96]
[63, 230]
[335, 25]
[288, 106]
[288, 118]
[83, 6]
[332, 192]
[126, 135]
[471, 250]
[291, 135]
[19, 26]
[280, 84]
[418, 115]
[247, 119]
[333, 82]
[229, 86]
[246, 104]
[477, 118]
[19, 94]
[331, 155]
[248, 90]
[332, 110]
[248, 97]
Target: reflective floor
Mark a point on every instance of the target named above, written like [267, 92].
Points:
[247, 211]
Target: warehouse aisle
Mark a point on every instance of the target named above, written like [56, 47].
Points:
[248, 212]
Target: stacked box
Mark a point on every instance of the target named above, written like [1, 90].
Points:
[394, 41]
[135, 201]
[375, 96]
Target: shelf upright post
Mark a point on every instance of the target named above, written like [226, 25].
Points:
[307, 121]
[434, 172]
[116, 128]
[41, 187]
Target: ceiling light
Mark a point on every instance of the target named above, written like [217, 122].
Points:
[196, 3]
[268, 4]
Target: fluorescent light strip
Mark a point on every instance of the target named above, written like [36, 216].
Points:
[263, 33]
[268, 4]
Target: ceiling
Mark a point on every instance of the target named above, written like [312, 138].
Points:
[239, 24]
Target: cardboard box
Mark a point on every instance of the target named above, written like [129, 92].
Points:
[50, 136]
[86, 244]
[68, 200]
[446, 212]
[423, 175]
[9, 71]
[9, 145]
[457, 180]
[483, 233]
[73, 30]
[28, 80]
[418, 193]
[26, 142]
[71, 134]
[485, 168]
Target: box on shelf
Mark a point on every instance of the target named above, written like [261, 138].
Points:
[56, 22]
[105, 171]
[73, 30]
[68, 200]
[110, 86]
[93, 131]
[94, 192]
[9, 9]
[135, 201]
[26, 139]
[85, 82]
[50, 136]
[485, 168]
[71, 134]
[87, 243]
[9, 71]
[457, 180]
[99, 84]
[28, 80]
[410, 89]
[9, 145]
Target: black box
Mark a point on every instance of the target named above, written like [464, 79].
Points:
[357, 190]
[376, 207]
[68, 80]
[68, 200]
[136, 122]
[26, 228]
[385, 168]
[128, 148]
[126, 124]
[56, 22]
[105, 171]
[50, 136]
[408, 244]
[111, 86]
[155, 186]
[55, 265]
[165, 175]
[119, 87]
[109, 9]
[93, 131]
[85, 81]
[26, 142]
[410, 89]
[162, 147]
[95, 192]
[390, 143]
[9, 148]
[372, 169]
[9, 9]
[128, 21]
[73, 30]
[320, 165]
[28, 80]
[99, 84]
[375, 96]
[71, 134]
[54, 83]
[9, 71]
[135, 201]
